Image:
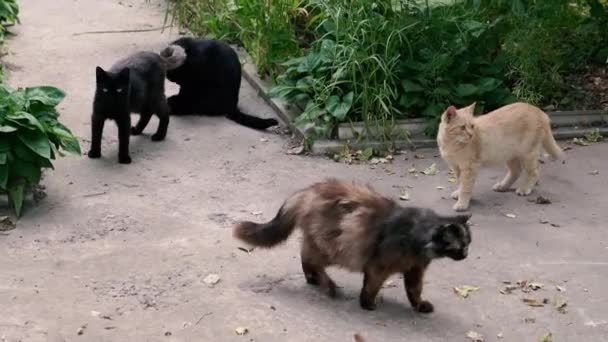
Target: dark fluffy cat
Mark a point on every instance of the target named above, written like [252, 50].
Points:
[209, 75]
[352, 226]
[135, 84]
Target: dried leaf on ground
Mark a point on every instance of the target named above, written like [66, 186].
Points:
[548, 337]
[533, 302]
[263, 140]
[594, 136]
[452, 179]
[256, 213]
[509, 215]
[412, 170]
[540, 200]
[543, 220]
[475, 336]
[431, 170]
[211, 279]
[535, 286]
[247, 250]
[405, 196]
[561, 306]
[560, 288]
[439, 187]
[241, 331]
[594, 172]
[529, 320]
[580, 142]
[81, 329]
[509, 289]
[296, 150]
[499, 335]
[419, 156]
[465, 290]
[6, 224]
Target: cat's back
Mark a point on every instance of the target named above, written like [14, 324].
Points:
[142, 62]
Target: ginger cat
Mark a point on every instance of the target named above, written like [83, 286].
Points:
[512, 135]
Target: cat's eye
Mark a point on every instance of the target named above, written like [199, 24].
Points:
[119, 90]
[105, 90]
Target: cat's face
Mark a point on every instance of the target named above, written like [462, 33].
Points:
[112, 87]
[457, 124]
[452, 238]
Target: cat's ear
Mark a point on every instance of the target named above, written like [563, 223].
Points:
[100, 74]
[124, 74]
[471, 108]
[450, 113]
[174, 56]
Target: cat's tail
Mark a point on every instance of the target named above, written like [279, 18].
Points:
[551, 146]
[251, 121]
[271, 233]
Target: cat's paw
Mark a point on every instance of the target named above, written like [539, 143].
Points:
[523, 191]
[455, 194]
[94, 154]
[124, 159]
[367, 304]
[498, 187]
[425, 307]
[157, 137]
[135, 131]
[460, 206]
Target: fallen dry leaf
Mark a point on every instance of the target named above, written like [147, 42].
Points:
[263, 140]
[509, 289]
[529, 320]
[555, 225]
[594, 172]
[561, 305]
[405, 196]
[241, 331]
[540, 200]
[412, 170]
[475, 336]
[567, 148]
[560, 288]
[247, 250]
[439, 187]
[81, 329]
[511, 215]
[499, 335]
[419, 156]
[543, 220]
[431, 170]
[296, 150]
[535, 286]
[256, 213]
[6, 224]
[580, 142]
[548, 337]
[452, 179]
[465, 290]
[211, 279]
[533, 302]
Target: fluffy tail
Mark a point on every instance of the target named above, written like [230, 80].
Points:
[267, 234]
[551, 146]
[251, 121]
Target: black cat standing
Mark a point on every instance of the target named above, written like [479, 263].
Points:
[135, 84]
[209, 75]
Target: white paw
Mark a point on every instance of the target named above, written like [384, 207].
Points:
[523, 191]
[460, 206]
[498, 187]
[455, 194]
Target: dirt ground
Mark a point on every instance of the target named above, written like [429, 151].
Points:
[120, 253]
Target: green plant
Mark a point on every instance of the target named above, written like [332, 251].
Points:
[30, 137]
[9, 14]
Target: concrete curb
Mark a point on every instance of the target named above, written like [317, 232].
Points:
[565, 125]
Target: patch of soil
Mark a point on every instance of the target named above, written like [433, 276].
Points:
[588, 89]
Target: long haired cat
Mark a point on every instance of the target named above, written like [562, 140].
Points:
[135, 84]
[352, 226]
[209, 75]
[511, 135]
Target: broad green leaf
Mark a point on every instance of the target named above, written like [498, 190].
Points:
[487, 84]
[367, 154]
[71, 146]
[37, 142]
[16, 195]
[466, 89]
[411, 87]
[47, 95]
[23, 152]
[25, 119]
[27, 170]
[3, 158]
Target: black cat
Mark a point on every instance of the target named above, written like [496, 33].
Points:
[135, 84]
[209, 75]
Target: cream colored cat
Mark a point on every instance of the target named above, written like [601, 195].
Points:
[511, 135]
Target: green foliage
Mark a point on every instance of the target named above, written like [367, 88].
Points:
[30, 137]
[383, 60]
[9, 14]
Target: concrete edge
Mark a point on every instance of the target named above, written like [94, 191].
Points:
[288, 113]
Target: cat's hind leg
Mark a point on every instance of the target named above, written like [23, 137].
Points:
[373, 279]
[144, 119]
[163, 120]
[532, 168]
[514, 166]
[313, 265]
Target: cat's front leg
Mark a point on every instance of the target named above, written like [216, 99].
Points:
[97, 122]
[413, 281]
[465, 190]
[456, 170]
[372, 283]
[124, 133]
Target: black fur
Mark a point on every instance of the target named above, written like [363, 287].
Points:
[424, 233]
[210, 81]
[135, 84]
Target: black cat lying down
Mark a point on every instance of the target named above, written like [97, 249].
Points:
[135, 84]
[209, 75]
